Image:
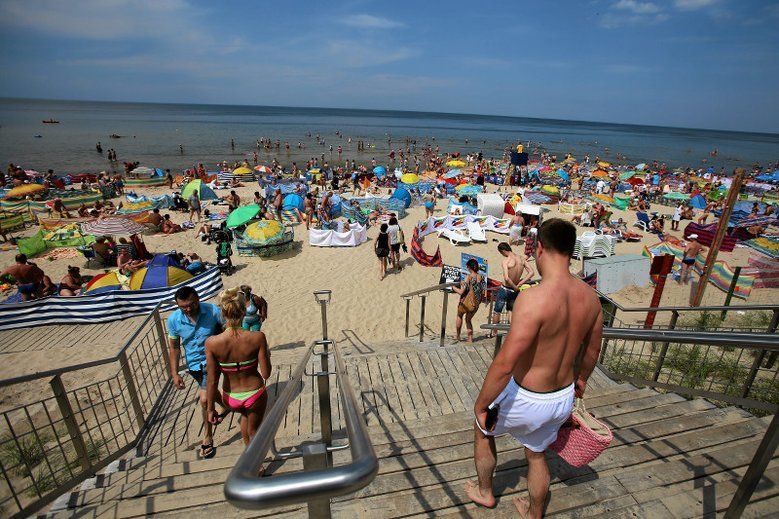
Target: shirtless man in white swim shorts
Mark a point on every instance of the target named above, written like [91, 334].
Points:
[532, 379]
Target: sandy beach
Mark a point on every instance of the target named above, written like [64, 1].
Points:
[362, 305]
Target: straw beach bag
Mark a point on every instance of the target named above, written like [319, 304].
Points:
[582, 438]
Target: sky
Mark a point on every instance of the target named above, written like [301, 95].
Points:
[683, 63]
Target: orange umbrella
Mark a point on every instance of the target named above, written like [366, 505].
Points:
[600, 173]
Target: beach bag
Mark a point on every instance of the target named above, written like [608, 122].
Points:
[582, 438]
[472, 299]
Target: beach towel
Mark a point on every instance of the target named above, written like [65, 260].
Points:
[764, 270]
[706, 235]
[419, 254]
[767, 245]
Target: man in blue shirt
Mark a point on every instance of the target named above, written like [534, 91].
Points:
[190, 326]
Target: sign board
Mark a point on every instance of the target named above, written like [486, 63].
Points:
[449, 274]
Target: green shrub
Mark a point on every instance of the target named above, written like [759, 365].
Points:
[22, 455]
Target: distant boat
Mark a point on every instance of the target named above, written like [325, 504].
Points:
[50, 121]
[115, 136]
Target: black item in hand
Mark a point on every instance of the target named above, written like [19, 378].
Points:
[492, 417]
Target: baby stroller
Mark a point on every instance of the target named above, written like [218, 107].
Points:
[224, 251]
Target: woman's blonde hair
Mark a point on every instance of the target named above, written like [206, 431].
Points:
[233, 304]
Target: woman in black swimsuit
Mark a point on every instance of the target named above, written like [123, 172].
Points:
[382, 248]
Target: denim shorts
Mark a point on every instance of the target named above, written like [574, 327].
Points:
[505, 298]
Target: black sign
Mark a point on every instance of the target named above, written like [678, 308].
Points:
[449, 274]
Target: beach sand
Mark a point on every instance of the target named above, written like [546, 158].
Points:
[366, 308]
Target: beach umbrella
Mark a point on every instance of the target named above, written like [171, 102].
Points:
[600, 173]
[698, 202]
[104, 283]
[24, 190]
[262, 169]
[204, 192]
[452, 173]
[634, 181]
[673, 195]
[264, 231]
[142, 171]
[604, 164]
[550, 190]
[410, 178]
[627, 175]
[242, 215]
[242, 171]
[112, 225]
[380, 170]
[158, 276]
[641, 166]
[314, 171]
[563, 175]
[455, 164]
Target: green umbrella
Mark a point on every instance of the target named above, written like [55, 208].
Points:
[626, 175]
[242, 214]
[673, 195]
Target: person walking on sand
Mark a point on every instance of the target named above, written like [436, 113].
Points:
[308, 207]
[529, 388]
[189, 326]
[470, 290]
[429, 200]
[688, 260]
[194, 206]
[382, 248]
[516, 272]
[396, 239]
[244, 358]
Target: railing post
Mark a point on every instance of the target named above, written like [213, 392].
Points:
[763, 454]
[323, 306]
[772, 329]
[664, 349]
[443, 317]
[323, 386]
[408, 313]
[731, 289]
[70, 421]
[131, 389]
[315, 458]
[422, 318]
[161, 333]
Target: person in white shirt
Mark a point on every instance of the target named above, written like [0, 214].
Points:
[677, 217]
[396, 239]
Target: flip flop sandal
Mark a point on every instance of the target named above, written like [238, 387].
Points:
[207, 450]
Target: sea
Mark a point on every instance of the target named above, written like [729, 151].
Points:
[180, 136]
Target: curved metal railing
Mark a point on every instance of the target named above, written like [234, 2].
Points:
[244, 487]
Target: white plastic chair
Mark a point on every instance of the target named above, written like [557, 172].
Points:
[454, 236]
[476, 233]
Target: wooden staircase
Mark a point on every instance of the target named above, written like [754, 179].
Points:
[671, 457]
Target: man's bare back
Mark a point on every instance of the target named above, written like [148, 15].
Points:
[693, 249]
[514, 266]
[25, 273]
[561, 314]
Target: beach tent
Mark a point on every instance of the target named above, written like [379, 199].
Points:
[162, 271]
[204, 192]
[103, 283]
[242, 215]
[403, 196]
[380, 171]
[562, 174]
[698, 202]
[293, 201]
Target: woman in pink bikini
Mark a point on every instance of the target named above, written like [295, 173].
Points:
[244, 358]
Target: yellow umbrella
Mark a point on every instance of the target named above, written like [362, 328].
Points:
[603, 164]
[242, 171]
[263, 230]
[600, 173]
[550, 190]
[410, 178]
[24, 190]
[455, 163]
[604, 198]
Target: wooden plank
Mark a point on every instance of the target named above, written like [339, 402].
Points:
[402, 371]
[454, 378]
[429, 385]
[380, 375]
[394, 376]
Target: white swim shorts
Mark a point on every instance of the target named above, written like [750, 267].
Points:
[532, 418]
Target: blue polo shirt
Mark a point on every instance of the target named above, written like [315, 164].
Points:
[193, 336]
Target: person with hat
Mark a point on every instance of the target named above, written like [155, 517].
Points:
[688, 260]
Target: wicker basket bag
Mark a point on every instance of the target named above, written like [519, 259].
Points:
[582, 438]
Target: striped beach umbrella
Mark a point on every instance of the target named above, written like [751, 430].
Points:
[263, 231]
[262, 169]
[112, 225]
[24, 190]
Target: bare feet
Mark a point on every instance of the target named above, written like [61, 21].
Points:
[523, 507]
[472, 489]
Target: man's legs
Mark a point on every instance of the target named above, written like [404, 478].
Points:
[485, 458]
[208, 438]
[537, 485]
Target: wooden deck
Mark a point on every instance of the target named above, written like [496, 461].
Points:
[671, 457]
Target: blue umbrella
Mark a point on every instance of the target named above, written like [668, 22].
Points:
[380, 170]
[453, 173]
[563, 175]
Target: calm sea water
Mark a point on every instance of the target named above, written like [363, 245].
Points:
[152, 133]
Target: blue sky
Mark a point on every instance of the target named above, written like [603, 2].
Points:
[688, 63]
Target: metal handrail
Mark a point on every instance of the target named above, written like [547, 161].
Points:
[245, 489]
[84, 365]
[686, 308]
[431, 289]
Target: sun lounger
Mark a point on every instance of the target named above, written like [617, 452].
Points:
[642, 221]
[476, 233]
[454, 236]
